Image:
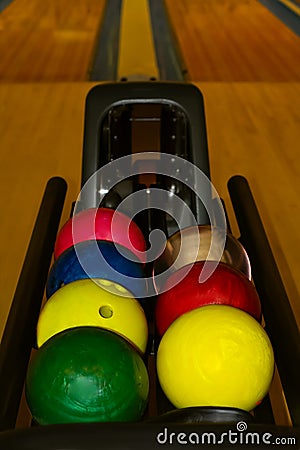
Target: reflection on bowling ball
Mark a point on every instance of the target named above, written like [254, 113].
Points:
[99, 303]
[215, 356]
[101, 224]
[201, 243]
[225, 286]
[86, 374]
[99, 259]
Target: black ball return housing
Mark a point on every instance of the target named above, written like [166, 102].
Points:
[114, 111]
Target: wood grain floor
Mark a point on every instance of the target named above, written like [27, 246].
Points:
[52, 40]
[253, 130]
[234, 40]
[40, 137]
[244, 60]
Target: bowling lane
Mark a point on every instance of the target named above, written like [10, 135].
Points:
[52, 40]
[253, 130]
[137, 59]
[234, 40]
[40, 136]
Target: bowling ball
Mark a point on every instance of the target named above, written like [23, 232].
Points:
[101, 224]
[99, 303]
[215, 355]
[201, 243]
[86, 374]
[84, 261]
[225, 286]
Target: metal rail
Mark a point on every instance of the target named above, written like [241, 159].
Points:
[281, 325]
[19, 333]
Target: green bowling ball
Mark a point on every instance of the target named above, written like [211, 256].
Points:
[86, 374]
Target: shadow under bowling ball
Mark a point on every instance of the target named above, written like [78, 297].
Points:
[85, 261]
[98, 303]
[194, 244]
[225, 286]
[101, 224]
[86, 374]
[204, 415]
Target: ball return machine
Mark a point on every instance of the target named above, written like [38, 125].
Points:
[118, 118]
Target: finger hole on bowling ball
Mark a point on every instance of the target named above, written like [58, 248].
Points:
[106, 311]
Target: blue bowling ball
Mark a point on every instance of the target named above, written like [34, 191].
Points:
[84, 262]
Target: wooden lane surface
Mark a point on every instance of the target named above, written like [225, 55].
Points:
[253, 130]
[137, 59]
[234, 40]
[49, 40]
[40, 136]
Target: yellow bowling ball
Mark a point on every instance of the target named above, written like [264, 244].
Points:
[94, 303]
[215, 356]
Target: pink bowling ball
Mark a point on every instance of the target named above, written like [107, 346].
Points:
[102, 224]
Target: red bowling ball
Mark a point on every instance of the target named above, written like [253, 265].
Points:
[102, 224]
[226, 286]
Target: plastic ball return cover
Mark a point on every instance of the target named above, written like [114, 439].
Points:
[102, 259]
[101, 224]
[98, 303]
[86, 374]
[215, 356]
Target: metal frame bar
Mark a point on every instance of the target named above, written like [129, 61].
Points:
[19, 334]
[16, 346]
[281, 325]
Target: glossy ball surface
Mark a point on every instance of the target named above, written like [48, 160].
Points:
[226, 286]
[101, 224]
[99, 259]
[98, 303]
[86, 375]
[215, 356]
